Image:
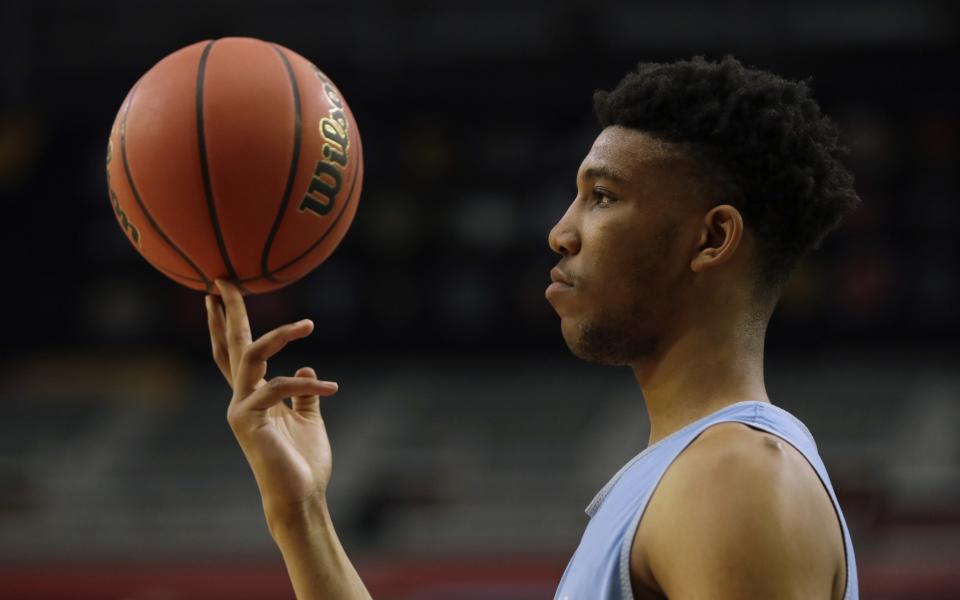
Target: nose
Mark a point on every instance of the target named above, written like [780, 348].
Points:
[564, 238]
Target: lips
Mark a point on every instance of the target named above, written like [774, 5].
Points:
[558, 276]
[560, 284]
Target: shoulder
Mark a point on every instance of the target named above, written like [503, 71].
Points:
[740, 510]
[729, 454]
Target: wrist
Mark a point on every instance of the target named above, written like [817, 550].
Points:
[293, 521]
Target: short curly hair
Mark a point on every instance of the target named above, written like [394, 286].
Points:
[776, 156]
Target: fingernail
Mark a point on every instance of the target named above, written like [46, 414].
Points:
[333, 385]
[304, 322]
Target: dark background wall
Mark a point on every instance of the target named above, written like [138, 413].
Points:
[474, 117]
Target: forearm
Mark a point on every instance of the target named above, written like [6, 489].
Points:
[316, 561]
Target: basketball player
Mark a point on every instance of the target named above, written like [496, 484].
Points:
[705, 187]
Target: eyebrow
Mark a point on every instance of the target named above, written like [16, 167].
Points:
[601, 172]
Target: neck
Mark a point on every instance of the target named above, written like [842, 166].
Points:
[701, 371]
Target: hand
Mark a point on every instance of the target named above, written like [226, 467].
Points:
[287, 448]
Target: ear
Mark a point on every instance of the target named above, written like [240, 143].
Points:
[721, 232]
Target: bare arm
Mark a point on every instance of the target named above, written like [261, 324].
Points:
[287, 448]
[740, 515]
[317, 563]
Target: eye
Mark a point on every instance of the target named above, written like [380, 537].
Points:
[602, 198]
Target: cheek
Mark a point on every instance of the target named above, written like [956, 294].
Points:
[630, 270]
[604, 247]
[614, 282]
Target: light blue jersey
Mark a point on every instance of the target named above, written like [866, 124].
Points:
[600, 568]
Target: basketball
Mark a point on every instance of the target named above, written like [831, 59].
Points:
[234, 158]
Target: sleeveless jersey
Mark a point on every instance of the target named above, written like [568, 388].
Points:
[600, 567]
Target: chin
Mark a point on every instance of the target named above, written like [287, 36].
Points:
[607, 343]
[579, 345]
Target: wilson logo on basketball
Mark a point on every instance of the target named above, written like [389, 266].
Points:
[328, 174]
[130, 229]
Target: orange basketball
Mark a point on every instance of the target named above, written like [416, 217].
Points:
[234, 158]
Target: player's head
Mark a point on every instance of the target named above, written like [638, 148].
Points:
[707, 185]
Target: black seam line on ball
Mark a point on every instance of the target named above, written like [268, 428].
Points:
[291, 176]
[136, 195]
[205, 169]
[333, 225]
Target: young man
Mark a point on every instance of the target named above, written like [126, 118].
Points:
[705, 187]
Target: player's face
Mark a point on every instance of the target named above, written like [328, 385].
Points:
[618, 286]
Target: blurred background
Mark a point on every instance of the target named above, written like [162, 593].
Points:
[467, 441]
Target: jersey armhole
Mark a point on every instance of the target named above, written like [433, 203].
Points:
[626, 583]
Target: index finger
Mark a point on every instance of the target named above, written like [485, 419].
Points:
[238, 325]
[216, 325]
